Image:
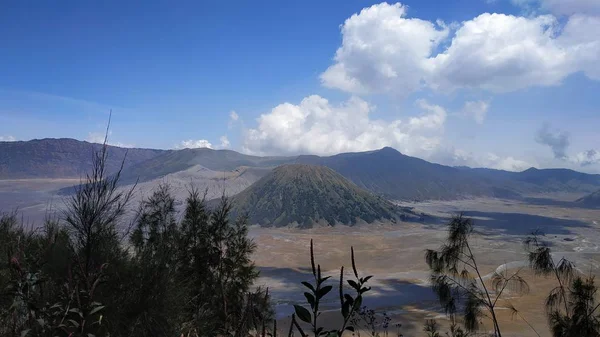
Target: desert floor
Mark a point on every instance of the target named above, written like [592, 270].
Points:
[394, 254]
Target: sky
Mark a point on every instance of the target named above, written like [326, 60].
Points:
[506, 84]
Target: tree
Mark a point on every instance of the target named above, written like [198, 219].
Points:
[456, 278]
[571, 306]
[216, 267]
[154, 305]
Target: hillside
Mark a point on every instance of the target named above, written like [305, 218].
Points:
[389, 173]
[385, 172]
[590, 200]
[306, 195]
[61, 158]
[539, 180]
[182, 160]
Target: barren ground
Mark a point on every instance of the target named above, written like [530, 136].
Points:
[394, 254]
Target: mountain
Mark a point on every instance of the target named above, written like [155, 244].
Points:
[306, 195]
[393, 175]
[61, 158]
[182, 160]
[385, 172]
[590, 200]
[539, 180]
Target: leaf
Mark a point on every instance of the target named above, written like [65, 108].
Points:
[353, 284]
[357, 303]
[346, 309]
[367, 278]
[309, 286]
[310, 298]
[322, 280]
[41, 322]
[91, 335]
[302, 313]
[350, 328]
[25, 332]
[75, 310]
[324, 291]
[96, 309]
[75, 324]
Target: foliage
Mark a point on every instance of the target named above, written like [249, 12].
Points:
[367, 320]
[571, 307]
[349, 303]
[77, 276]
[457, 280]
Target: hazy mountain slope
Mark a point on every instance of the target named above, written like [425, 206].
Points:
[214, 183]
[389, 173]
[181, 160]
[305, 195]
[540, 180]
[590, 200]
[61, 158]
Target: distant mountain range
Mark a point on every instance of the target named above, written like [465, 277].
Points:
[306, 195]
[385, 172]
[62, 158]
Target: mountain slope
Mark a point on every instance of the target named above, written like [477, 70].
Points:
[590, 200]
[540, 180]
[61, 158]
[181, 160]
[390, 173]
[306, 195]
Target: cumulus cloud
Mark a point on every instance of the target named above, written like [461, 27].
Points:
[384, 51]
[7, 139]
[476, 110]
[98, 138]
[557, 140]
[316, 126]
[458, 157]
[224, 142]
[509, 163]
[194, 144]
[587, 158]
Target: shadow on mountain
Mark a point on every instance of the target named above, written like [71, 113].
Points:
[522, 224]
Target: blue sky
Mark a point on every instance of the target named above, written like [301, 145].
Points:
[444, 81]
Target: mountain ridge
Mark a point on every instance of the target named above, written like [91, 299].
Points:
[385, 172]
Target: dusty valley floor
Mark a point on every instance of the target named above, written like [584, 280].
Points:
[394, 253]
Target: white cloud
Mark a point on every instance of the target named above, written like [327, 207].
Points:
[224, 142]
[433, 118]
[233, 116]
[194, 144]
[98, 138]
[7, 139]
[458, 157]
[509, 163]
[383, 51]
[587, 158]
[476, 110]
[318, 127]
